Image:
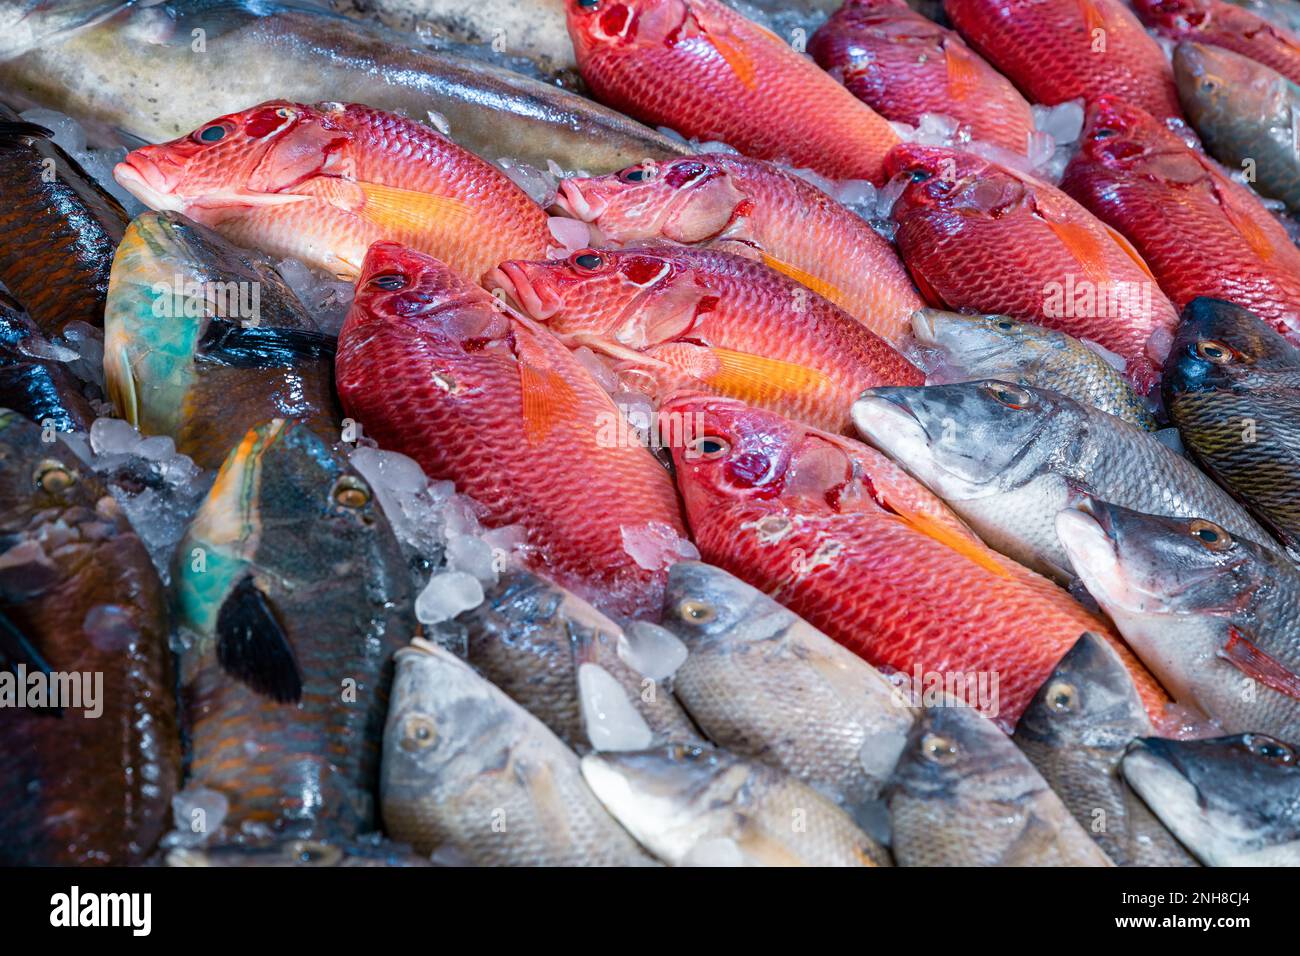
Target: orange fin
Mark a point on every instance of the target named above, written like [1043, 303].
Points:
[1093, 17]
[1083, 246]
[404, 210]
[545, 393]
[754, 377]
[1122, 241]
[1257, 665]
[820, 286]
[963, 72]
[970, 549]
[1241, 220]
[738, 59]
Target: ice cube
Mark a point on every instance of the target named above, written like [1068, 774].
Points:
[472, 555]
[198, 813]
[1063, 122]
[655, 545]
[113, 436]
[572, 234]
[446, 595]
[650, 650]
[611, 721]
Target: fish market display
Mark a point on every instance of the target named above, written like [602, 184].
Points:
[150, 84]
[763, 683]
[1227, 25]
[981, 237]
[441, 371]
[694, 319]
[293, 586]
[203, 341]
[1076, 732]
[709, 73]
[1211, 614]
[903, 65]
[1008, 458]
[1058, 50]
[694, 806]
[965, 348]
[1233, 390]
[843, 537]
[323, 183]
[1201, 233]
[58, 229]
[469, 771]
[750, 207]
[1244, 113]
[1232, 800]
[963, 795]
[81, 608]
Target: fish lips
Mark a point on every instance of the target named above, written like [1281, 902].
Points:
[536, 299]
[884, 419]
[143, 179]
[570, 198]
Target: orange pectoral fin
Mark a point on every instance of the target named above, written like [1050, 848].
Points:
[963, 73]
[1093, 17]
[545, 394]
[1083, 247]
[737, 58]
[969, 548]
[747, 376]
[1122, 241]
[403, 210]
[820, 286]
[1257, 665]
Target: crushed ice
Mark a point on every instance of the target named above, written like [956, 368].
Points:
[650, 650]
[611, 721]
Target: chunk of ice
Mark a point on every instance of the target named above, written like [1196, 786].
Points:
[650, 650]
[446, 595]
[611, 721]
[655, 545]
[197, 813]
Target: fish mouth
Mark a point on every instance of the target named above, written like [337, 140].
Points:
[923, 327]
[1087, 533]
[569, 197]
[538, 301]
[887, 423]
[143, 179]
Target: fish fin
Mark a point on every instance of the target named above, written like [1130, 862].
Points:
[1082, 246]
[963, 72]
[737, 58]
[11, 132]
[1259, 666]
[614, 350]
[1241, 220]
[1122, 241]
[228, 343]
[928, 292]
[15, 649]
[119, 381]
[253, 647]
[746, 375]
[1093, 16]
[820, 286]
[396, 209]
[544, 392]
[968, 547]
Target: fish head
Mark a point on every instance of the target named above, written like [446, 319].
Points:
[954, 756]
[39, 476]
[1232, 800]
[965, 440]
[1173, 16]
[687, 200]
[1089, 701]
[636, 297]
[704, 602]
[1218, 87]
[597, 26]
[238, 161]
[1220, 346]
[962, 347]
[936, 177]
[1119, 136]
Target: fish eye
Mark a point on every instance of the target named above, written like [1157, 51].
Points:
[1104, 133]
[350, 492]
[390, 281]
[1006, 325]
[696, 612]
[1208, 86]
[54, 477]
[1062, 697]
[1215, 352]
[685, 752]
[588, 4]
[938, 749]
[708, 447]
[310, 853]
[637, 174]
[588, 260]
[919, 175]
[1010, 395]
[1269, 748]
[418, 732]
[1210, 535]
[212, 134]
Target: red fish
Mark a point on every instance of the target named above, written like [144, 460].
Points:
[1201, 233]
[321, 183]
[707, 321]
[440, 370]
[754, 208]
[1058, 50]
[708, 72]
[978, 237]
[842, 536]
[902, 65]
[1223, 24]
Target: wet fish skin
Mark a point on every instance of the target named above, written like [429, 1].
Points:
[58, 229]
[1243, 111]
[303, 854]
[964, 795]
[902, 65]
[78, 585]
[1211, 614]
[1280, 13]
[297, 593]
[1075, 733]
[1201, 233]
[442, 371]
[702, 69]
[1049, 49]
[203, 372]
[979, 237]
[530, 638]
[1231, 799]
[322, 183]
[757, 209]
[695, 806]
[1228, 25]
[469, 770]
[764, 684]
[41, 389]
[842, 536]
[1009, 458]
[1233, 390]
[963, 348]
[700, 320]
